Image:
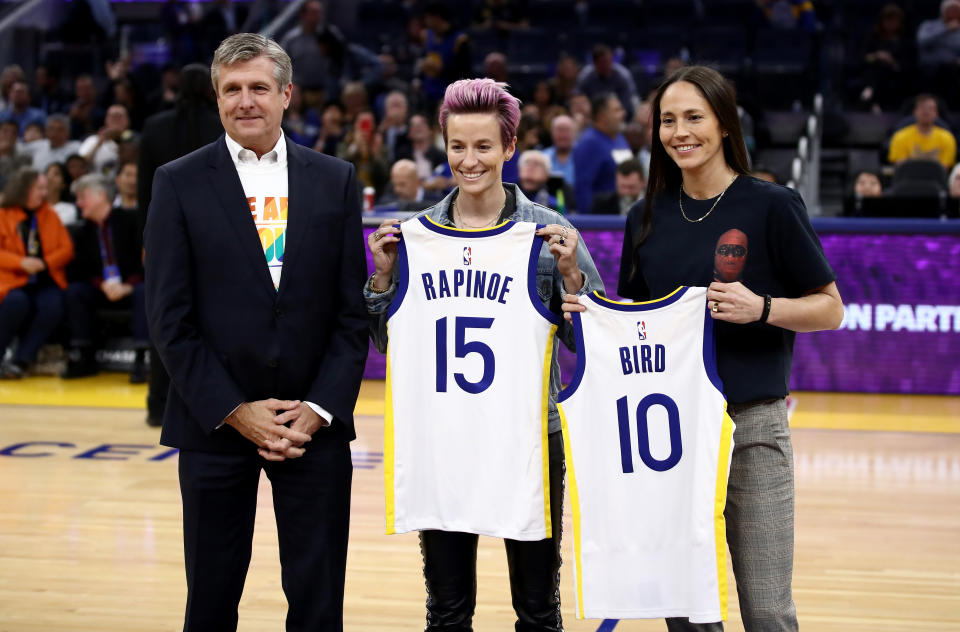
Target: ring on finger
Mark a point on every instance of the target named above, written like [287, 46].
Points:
[563, 234]
[377, 235]
[716, 307]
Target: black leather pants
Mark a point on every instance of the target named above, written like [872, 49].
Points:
[450, 569]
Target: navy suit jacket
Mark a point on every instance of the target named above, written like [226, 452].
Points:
[225, 335]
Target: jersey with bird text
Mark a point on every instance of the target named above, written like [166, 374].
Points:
[648, 443]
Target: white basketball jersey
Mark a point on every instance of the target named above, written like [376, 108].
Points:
[468, 373]
[648, 444]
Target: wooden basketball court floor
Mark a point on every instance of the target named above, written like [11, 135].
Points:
[90, 536]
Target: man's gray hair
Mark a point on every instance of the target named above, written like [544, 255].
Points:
[247, 46]
[93, 181]
[59, 118]
[535, 156]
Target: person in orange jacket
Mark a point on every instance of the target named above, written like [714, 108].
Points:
[34, 251]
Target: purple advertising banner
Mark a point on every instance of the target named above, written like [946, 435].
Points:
[901, 292]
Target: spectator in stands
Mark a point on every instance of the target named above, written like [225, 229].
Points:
[605, 76]
[599, 150]
[495, 67]
[58, 193]
[528, 131]
[331, 129]
[77, 166]
[32, 134]
[10, 158]
[938, 52]
[534, 171]
[424, 153]
[629, 190]
[503, 16]
[302, 42]
[221, 19]
[34, 251]
[348, 62]
[564, 81]
[19, 109]
[953, 182]
[543, 98]
[165, 96]
[125, 183]
[86, 116]
[888, 57]
[867, 184]
[638, 137]
[47, 94]
[447, 50]
[300, 121]
[363, 147]
[391, 79]
[102, 149]
[126, 94]
[354, 100]
[924, 140]
[407, 191]
[57, 146]
[10, 73]
[789, 14]
[107, 274]
[394, 124]
[938, 40]
[562, 133]
[582, 112]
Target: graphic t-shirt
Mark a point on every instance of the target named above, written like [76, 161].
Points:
[265, 186]
[759, 235]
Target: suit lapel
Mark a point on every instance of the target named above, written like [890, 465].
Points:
[226, 182]
[301, 180]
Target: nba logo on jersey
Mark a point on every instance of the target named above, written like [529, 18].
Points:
[467, 255]
[642, 330]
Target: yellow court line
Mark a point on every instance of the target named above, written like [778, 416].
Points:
[829, 411]
[106, 390]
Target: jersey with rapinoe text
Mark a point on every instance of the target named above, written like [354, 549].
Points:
[468, 371]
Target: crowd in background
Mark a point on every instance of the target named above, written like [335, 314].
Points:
[75, 171]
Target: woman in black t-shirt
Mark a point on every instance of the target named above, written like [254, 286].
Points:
[705, 222]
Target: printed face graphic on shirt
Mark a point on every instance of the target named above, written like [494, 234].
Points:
[729, 256]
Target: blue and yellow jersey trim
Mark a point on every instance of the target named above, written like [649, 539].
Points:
[574, 509]
[639, 306]
[544, 425]
[389, 454]
[439, 228]
[720, 501]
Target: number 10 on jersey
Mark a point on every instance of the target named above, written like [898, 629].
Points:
[643, 433]
[462, 349]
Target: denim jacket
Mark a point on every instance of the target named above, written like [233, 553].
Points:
[549, 283]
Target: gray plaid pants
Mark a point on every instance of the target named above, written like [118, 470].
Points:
[759, 516]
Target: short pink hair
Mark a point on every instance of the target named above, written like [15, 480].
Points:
[482, 96]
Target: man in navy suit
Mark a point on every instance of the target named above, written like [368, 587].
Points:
[255, 264]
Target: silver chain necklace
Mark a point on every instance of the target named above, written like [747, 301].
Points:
[700, 219]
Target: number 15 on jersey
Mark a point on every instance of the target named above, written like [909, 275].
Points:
[462, 349]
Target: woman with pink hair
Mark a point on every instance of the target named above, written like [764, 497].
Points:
[479, 120]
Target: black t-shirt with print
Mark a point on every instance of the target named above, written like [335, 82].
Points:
[758, 234]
